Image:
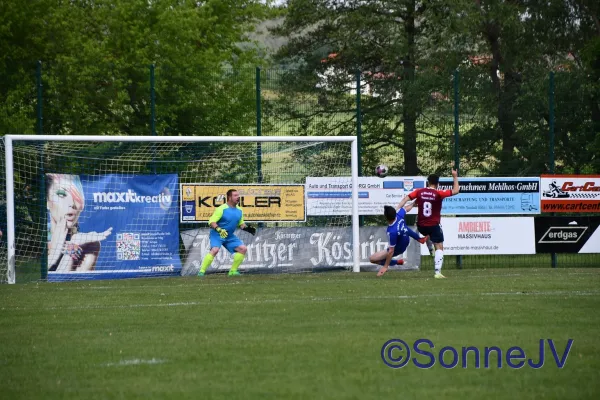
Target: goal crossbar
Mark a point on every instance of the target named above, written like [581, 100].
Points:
[180, 139]
[10, 194]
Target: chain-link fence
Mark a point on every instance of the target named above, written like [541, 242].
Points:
[519, 125]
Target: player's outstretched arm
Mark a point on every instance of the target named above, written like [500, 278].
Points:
[455, 186]
[403, 202]
[388, 260]
[248, 228]
[243, 226]
[409, 206]
[216, 217]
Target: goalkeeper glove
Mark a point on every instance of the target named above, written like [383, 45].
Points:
[250, 229]
[221, 232]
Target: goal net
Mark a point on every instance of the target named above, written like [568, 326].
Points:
[80, 207]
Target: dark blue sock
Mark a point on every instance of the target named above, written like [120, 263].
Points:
[413, 234]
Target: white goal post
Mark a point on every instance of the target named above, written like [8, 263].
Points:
[284, 152]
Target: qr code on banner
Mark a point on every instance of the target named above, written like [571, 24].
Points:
[128, 246]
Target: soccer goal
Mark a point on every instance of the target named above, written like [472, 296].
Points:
[111, 207]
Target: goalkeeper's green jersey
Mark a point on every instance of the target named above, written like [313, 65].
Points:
[228, 218]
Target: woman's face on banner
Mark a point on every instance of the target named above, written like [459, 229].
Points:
[65, 200]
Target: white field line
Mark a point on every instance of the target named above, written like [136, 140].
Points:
[305, 300]
[319, 279]
[135, 361]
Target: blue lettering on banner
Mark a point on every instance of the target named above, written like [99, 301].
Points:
[128, 226]
[487, 196]
[336, 195]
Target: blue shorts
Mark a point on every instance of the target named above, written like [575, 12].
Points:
[435, 233]
[230, 242]
[401, 246]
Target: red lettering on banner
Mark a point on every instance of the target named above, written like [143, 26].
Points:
[587, 187]
[485, 226]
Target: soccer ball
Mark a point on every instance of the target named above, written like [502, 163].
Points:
[381, 171]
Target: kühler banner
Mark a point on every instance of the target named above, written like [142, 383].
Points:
[491, 236]
[567, 234]
[296, 249]
[492, 196]
[112, 226]
[260, 202]
[570, 193]
[333, 195]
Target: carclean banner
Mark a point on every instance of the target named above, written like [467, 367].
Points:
[571, 193]
[112, 226]
[297, 249]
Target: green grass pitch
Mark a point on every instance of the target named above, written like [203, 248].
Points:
[302, 336]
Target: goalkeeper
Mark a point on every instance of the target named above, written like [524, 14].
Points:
[224, 221]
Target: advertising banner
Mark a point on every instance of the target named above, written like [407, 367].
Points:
[296, 249]
[493, 236]
[484, 196]
[333, 195]
[567, 235]
[112, 226]
[570, 193]
[260, 203]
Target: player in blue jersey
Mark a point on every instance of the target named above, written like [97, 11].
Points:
[224, 221]
[399, 236]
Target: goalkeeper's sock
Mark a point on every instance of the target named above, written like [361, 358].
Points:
[208, 259]
[237, 260]
[439, 260]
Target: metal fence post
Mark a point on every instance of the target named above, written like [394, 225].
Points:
[361, 220]
[456, 140]
[258, 127]
[258, 130]
[153, 115]
[42, 177]
[554, 260]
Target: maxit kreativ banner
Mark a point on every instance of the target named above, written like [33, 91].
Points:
[112, 226]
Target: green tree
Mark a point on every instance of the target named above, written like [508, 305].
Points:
[517, 44]
[390, 43]
[96, 56]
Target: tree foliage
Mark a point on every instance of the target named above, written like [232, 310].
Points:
[503, 51]
[96, 55]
